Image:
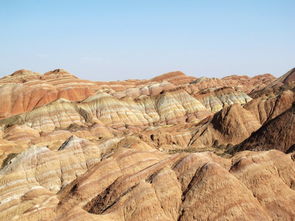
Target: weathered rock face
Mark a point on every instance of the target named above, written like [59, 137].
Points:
[216, 99]
[244, 83]
[268, 107]
[176, 78]
[235, 123]
[289, 77]
[25, 90]
[173, 147]
[251, 84]
[167, 108]
[231, 125]
[139, 183]
[278, 132]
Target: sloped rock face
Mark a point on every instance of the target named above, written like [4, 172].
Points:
[244, 83]
[176, 78]
[217, 99]
[251, 84]
[268, 107]
[25, 90]
[278, 132]
[231, 125]
[137, 184]
[173, 147]
[289, 77]
[235, 123]
[167, 108]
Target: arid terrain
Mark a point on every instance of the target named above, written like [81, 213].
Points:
[170, 148]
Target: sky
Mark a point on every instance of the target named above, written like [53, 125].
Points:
[138, 39]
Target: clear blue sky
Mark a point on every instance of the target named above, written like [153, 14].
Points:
[121, 39]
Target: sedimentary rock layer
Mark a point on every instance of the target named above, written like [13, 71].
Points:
[25, 90]
[135, 182]
[173, 147]
[278, 133]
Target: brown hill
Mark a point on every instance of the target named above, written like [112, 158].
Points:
[25, 90]
[286, 78]
[156, 149]
[285, 82]
[125, 179]
[278, 133]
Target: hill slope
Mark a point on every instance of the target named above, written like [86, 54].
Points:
[173, 147]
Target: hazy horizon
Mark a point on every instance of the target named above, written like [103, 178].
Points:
[116, 40]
